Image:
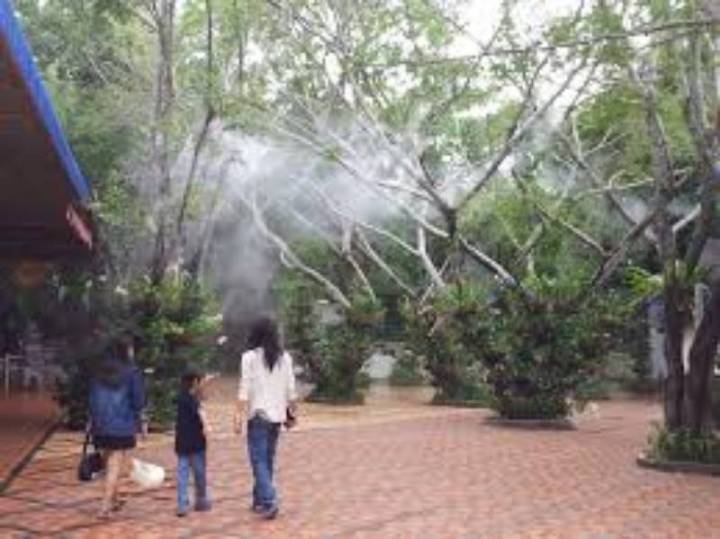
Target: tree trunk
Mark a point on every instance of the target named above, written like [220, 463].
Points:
[698, 381]
[674, 383]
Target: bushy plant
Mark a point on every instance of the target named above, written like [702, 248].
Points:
[435, 333]
[535, 348]
[540, 350]
[340, 351]
[176, 321]
[298, 319]
[683, 445]
[407, 371]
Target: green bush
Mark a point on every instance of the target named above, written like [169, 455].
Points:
[340, 351]
[175, 323]
[683, 445]
[535, 407]
[406, 371]
[468, 394]
[72, 396]
[434, 335]
[535, 350]
[595, 389]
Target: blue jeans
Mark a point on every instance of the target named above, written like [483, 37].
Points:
[262, 438]
[196, 461]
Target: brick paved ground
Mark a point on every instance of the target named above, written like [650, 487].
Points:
[397, 470]
[24, 420]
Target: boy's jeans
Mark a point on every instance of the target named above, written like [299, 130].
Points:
[196, 461]
[262, 438]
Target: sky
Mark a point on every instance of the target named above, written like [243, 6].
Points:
[482, 16]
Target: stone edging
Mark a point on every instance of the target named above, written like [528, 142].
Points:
[678, 466]
[540, 424]
[50, 427]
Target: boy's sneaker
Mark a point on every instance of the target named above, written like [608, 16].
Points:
[270, 513]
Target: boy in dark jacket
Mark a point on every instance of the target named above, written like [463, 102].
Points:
[191, 428]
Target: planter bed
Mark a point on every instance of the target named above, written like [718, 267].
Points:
[459, 404]
[678, 466]
[540, 424]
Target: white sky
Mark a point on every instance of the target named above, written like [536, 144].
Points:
[482, 16]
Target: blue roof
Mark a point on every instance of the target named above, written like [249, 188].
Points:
[21, 55]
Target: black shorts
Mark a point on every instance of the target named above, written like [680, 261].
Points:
[114, 442]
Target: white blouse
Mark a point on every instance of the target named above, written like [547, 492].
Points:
[268, 392]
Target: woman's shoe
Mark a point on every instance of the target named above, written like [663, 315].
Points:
[203, 506]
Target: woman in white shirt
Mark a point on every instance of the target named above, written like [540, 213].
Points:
[266, 394]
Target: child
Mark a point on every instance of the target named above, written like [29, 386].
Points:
[191, 428]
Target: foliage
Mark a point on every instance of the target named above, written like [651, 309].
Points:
[298, 319]
[407, 370]
[683, 445]
[534, 352]
[340, 351]
[645, 284]
[177, 322]
[435, 335]
[539, 352]
[392, 66]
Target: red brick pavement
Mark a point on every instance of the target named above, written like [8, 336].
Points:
[446, 475]
[24, 421]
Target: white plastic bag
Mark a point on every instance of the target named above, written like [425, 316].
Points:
[147, 475]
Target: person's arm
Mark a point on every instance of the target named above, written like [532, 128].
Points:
[137, 389]
[291, 386]
[243, 394]
[207, 428]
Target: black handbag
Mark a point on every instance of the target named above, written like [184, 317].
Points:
[91, 462]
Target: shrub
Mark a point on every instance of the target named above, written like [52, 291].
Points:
[595, 389]
[468, 394]
[175, 324]
[683, 445]
[406, 371]
[71, 393]
[538, 406]
[340, 351]
[541, 351]
[434, 336]
[534, 350]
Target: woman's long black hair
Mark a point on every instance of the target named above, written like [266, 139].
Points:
[109, 369]
[264, 333]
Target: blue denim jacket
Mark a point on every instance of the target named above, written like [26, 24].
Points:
[115, 409]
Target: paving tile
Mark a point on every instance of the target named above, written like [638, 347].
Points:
[393, 470]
